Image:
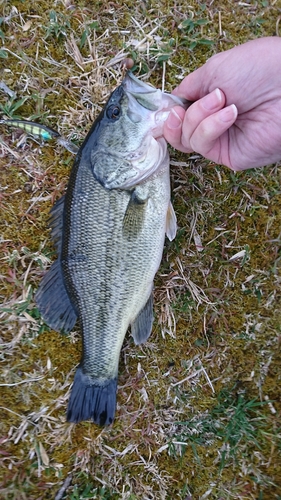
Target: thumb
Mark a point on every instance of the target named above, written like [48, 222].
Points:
[173, 129]
[192, 87]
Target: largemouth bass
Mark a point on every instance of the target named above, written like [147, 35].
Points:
[109, 230]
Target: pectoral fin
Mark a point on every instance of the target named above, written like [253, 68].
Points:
[171, 223]
[142, 326]
[134, 216]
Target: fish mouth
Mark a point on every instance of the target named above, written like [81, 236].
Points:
[141, 91]
[133, 83]
[149, 97]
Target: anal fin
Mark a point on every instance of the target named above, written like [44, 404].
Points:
[142, 326]
[53, 301]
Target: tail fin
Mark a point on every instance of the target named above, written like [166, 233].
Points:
[92, 402]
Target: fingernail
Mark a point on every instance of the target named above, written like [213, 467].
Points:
[212, 100]
[174, 121]
[228, 114]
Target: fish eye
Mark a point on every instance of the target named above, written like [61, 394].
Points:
[113, 112]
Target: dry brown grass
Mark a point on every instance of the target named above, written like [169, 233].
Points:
[216, 343]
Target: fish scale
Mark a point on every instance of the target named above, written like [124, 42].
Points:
[114, 283]
[109, 231]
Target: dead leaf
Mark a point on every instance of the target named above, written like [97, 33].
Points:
[27, 25]
[43, 455]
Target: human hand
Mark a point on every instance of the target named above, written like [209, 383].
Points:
[236, 119]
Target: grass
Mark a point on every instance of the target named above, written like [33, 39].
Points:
[198, 411]
[235, 424]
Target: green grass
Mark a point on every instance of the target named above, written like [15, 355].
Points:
[234, 427]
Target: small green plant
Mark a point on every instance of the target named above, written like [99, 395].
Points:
[12, 105]
[94, 26]
[163, 52]
[242, 423]
[140, 65]
[193, 36]
[23, 307]
[184, 303]
[198, 431]
[58, 27]
[86, 489]
[15, 256]
[246, 256]
[3, 54]
[2, 35]
[20, 264]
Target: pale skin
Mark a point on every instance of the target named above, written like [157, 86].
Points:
[236, 117]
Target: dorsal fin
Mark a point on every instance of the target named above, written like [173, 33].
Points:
[51, 297]
[55, 222]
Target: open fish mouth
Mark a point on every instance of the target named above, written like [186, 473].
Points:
[133, 84]
[147, 96]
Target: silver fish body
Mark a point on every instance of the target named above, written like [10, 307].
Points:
[109, 230]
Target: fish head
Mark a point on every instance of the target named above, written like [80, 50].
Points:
[149, 105]
[129, 146]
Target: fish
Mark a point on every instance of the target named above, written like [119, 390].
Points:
[39, 130]
[109, 231]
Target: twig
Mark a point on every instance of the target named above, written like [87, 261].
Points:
[22, 382]
[7, 90]
[277, 25]
[163, 76]
[188, 378]
[220, 28]
[64, 487]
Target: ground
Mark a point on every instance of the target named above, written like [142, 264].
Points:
[198, 412]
